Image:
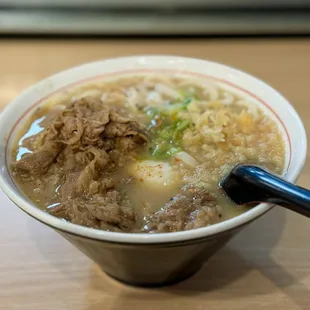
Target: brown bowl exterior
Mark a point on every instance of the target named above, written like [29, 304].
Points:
[151, 265]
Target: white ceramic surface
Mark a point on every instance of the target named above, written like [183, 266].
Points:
[289, 122]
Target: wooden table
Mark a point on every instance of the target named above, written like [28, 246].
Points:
[267, 266]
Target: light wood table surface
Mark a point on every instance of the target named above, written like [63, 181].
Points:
[267, 266]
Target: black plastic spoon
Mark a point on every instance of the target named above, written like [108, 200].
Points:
[247, 184]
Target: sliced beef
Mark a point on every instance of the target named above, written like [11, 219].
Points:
[116, 118]
[37, 163]
[110, 212]
[68, 189]
[172, 217]
[80, 145]
[129, 129]
[81, 130]
[87, 122]
[82, 123]
[193, 209]
[92, 170]
[77, 182]
[72, 130]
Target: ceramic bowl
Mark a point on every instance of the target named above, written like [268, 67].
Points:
[151, 259]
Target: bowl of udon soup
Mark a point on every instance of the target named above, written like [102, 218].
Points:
[123, 158]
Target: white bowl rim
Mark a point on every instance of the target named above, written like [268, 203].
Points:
[146, 238]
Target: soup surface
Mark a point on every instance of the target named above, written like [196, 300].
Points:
[142, 153]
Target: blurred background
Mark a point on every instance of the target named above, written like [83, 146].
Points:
[145, 17]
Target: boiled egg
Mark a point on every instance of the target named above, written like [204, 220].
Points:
[152, 174]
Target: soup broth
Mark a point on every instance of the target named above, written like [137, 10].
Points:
[142, 153]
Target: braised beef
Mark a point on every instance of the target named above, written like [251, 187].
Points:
[110, 212]
[193, 208]
[38, 162]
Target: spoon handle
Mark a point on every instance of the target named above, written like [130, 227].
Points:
[247, 184]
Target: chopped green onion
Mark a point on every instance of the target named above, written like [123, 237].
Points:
[188, 100]
[182, 124]
[166, 128]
